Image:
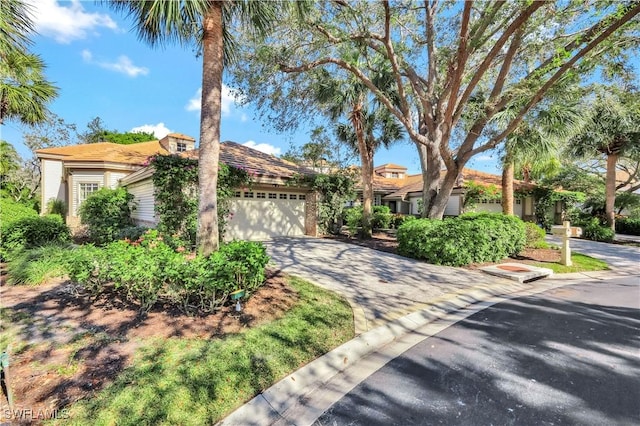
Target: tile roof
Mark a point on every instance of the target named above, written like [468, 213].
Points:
[134, 154]
[234, 154]
[468, 175]
[390, 166]
[231, 153]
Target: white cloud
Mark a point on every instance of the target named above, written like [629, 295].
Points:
[69, 22]
[228, 101]
[244, 117]
[484, 158]
[264, 147]
[123, 65]
[160, 130]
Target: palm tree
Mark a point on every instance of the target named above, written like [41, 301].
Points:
[370, 126]
[205, 24]
[24, 91]
[534, 147]
[611, 130]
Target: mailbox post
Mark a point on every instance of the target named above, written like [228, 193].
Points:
[566, 231]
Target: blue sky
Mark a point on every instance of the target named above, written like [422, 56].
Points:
[102, 69]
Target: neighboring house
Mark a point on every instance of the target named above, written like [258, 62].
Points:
[402, 193]
[273, 206]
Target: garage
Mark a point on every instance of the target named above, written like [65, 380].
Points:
[262, 214]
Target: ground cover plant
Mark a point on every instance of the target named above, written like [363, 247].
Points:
[149, 271]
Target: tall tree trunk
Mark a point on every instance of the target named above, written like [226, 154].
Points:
[446, 186]
[209, 154]
[430, 166]
[610, 190]
[366, 162]
[507, 185]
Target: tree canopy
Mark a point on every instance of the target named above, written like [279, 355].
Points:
[456, 66]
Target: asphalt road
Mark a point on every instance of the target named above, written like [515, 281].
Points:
[569, 356]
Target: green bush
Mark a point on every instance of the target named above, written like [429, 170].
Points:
[399, 219]
[381, 218]
[132, 232]
[10, 211]
[106, 212]
[148, 270]
[37, 265]
[33, 231]
[630, 226]
[55, 206]
[471, 238]
[596, 232]
[535, 236]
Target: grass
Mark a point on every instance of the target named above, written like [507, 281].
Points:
[581, 263]
[37, 266]
[197, 381]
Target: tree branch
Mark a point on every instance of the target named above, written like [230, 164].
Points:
[484, 66]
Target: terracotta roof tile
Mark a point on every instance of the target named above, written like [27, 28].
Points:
[468, 175]
[390, 166]
[234, 154]
[134, 154]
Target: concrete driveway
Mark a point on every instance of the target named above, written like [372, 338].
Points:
[380, 286]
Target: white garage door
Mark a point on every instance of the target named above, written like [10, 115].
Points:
[263, 218]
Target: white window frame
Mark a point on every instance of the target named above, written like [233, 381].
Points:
[83, 194]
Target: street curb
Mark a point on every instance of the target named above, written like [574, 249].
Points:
[272, 405]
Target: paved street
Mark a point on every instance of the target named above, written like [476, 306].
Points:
[566, 356]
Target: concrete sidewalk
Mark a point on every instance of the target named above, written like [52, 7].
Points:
[396, 297]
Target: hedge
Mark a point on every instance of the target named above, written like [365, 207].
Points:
[33, 231]
[471, 238]
[629, 226]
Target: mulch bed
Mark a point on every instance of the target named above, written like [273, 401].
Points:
[75, 346]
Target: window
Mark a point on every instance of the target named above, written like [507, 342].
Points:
[248, 195]
[237, 194]
[302, 197]
[484, 201]
[86, 189]
[273, 195]
[395, 175]
[293, 196]
[518, 201]
[261, 195]
[282, 196]
[181, 147]
[377, 200]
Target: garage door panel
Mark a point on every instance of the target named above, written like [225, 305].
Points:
[262, 219]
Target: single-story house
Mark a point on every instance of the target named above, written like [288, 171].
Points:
[393, 187]
[274, 205]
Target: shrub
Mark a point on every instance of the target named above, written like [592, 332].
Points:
[30, 232]
[381, 218]
[148, 270]
[596, 232]
[55, 206]
[106, 212]
[630, 226]
[535, 236]
[132, 232]
[10, 211]
[37, 265]
[399, 219]
[471, 238]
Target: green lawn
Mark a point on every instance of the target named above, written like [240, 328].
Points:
[197, 381]
[581, 263]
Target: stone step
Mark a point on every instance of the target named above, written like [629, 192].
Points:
[517, 271]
